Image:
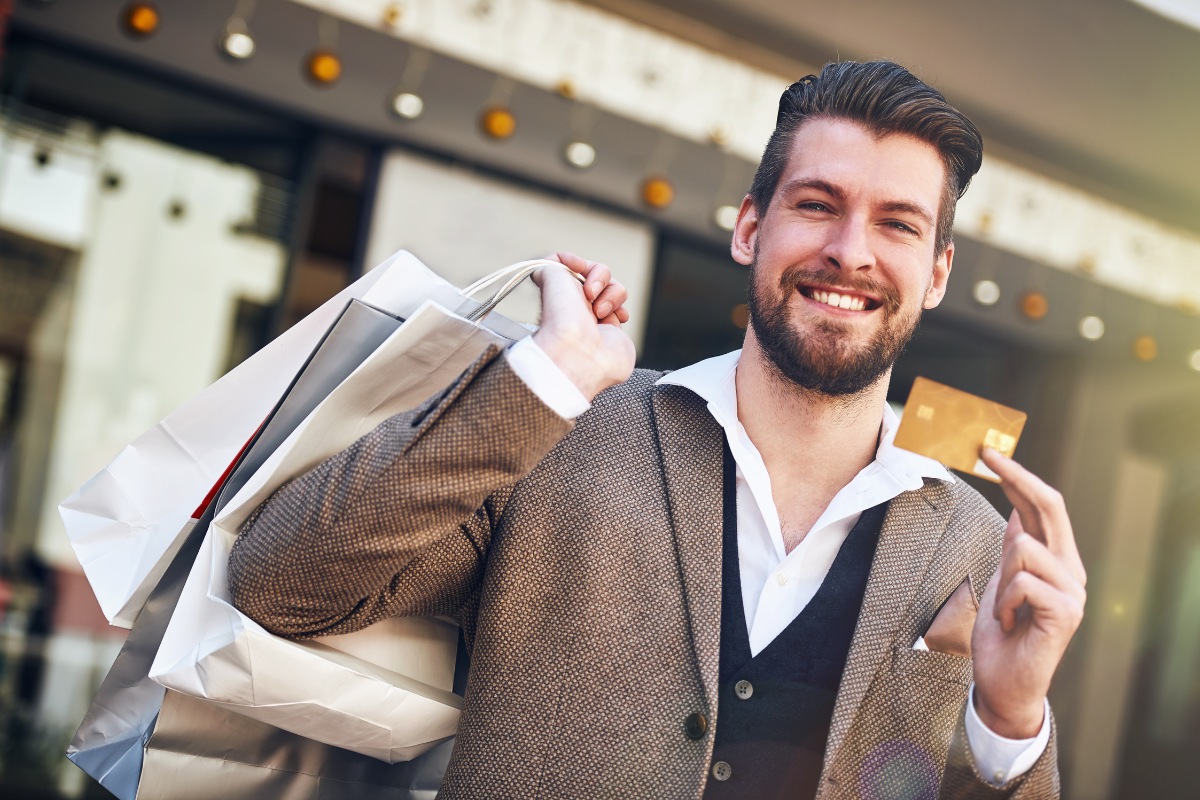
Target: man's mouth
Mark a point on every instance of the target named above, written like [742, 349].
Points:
[839, 298]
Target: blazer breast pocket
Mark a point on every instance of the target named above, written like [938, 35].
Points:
[920, 665]
[952, 626]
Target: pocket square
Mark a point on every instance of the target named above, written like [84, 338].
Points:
[950, 631]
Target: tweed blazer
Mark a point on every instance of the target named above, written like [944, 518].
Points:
[584, 565]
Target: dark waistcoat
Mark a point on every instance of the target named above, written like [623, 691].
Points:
[774, 709]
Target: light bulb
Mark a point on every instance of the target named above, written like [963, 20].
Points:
[657, 192]
[1035, 305]
[1091, 328]
[408, 105]
[324, 67]
[725, 217]
[986, 293]
[579, 154]
[237, 44]
[141, 19]
[498, 122]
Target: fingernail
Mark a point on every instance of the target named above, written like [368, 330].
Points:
[603, 310]
[595, 288]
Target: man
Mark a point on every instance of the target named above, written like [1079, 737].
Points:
[724, 581]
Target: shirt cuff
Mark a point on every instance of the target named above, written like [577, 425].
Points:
[546, 380]
[1000, 760]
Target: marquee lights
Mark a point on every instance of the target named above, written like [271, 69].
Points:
[580, 155]
[725, 217]
[657, 192]
[1145, 348]
[1034, 305]
[141, 19]
[407, 105]
[498, 122]
[986, 292]
[238, 45]
[323, 67]
[1091, 328]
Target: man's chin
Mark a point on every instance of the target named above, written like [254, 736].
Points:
[828, 375]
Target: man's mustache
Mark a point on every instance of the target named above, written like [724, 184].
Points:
[833, 279]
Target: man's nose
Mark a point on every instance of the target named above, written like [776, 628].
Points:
[849, 246]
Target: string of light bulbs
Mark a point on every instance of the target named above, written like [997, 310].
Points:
[323, 67]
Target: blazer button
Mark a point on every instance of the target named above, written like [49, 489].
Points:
[743, 689]
[696, 725]
[722, 771]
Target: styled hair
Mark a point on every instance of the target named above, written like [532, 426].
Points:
[884, 98]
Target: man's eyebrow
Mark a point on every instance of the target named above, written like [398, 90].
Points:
[813, 183]
[905, 207]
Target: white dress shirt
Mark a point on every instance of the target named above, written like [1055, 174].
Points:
[777, 585]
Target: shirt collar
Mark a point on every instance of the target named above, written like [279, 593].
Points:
[713, 380]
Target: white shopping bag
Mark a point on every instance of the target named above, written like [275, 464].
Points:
[128, 521]
[358, 691]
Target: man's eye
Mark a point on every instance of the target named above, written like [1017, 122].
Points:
[904, 227]
[812, 205]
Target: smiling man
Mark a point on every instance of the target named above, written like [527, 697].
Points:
[724, 581]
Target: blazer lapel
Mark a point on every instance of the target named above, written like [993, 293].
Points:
[690, 448]
[911, 533]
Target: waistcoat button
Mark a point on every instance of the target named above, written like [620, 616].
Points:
[696, 725]
[743, 689]
[722, 771]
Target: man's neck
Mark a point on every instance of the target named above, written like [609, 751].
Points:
[811, 444]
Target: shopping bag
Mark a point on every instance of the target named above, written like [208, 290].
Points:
[127, 522]
[391, 711]
[212, 650]
[201, 752]
[111, 738]
[141, 741]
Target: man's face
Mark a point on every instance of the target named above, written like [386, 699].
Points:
[842, 261]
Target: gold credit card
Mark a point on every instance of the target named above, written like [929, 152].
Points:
[952, 426]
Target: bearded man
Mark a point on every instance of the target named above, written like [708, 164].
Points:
[723, 581]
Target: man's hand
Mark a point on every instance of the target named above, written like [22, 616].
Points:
[1031, 607]
[581, 325]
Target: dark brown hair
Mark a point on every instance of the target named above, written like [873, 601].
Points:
[884, 98]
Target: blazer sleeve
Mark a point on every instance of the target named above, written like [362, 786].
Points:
[399, 523]
[962, 780]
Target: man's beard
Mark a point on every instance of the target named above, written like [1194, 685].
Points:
[825, 361]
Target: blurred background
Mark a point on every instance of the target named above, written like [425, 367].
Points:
[180, 181]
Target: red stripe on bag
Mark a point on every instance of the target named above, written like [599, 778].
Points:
[212, 493]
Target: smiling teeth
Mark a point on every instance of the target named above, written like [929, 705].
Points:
[846, 301]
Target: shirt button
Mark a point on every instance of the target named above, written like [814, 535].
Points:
[722, 771]
[743, 689]
[998, 776]
[696, 725]
[781, 579]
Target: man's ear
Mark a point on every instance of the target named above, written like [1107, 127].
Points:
[941, 276]
[745, 233]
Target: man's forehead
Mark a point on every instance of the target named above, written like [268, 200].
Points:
[846, 153]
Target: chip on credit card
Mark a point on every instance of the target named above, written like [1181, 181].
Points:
[953, 426]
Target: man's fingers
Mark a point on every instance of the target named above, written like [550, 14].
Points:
[609, 300]
[1039, 504]
[1023, 553]
[597, 278]
[1041, 509]
[571, 261]
[1054, 609]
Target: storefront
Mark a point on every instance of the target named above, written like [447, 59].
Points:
[167, 206]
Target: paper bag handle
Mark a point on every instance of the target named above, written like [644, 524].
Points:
[515, 273]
